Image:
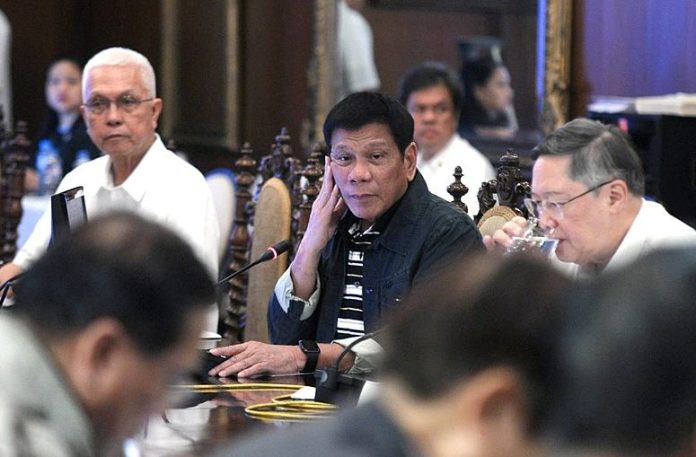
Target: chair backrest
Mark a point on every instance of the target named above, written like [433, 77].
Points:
[14, 158]
[509, 190]
[238, 254]
[272, 223]
[221, 184]
[289, 189]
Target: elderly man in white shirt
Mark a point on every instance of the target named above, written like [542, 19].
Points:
[136, 173]
[433, 95]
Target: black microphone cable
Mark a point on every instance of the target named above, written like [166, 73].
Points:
[329, 379]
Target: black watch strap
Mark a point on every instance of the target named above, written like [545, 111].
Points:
[312, 351]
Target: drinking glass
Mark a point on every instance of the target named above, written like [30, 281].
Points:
[534, 240]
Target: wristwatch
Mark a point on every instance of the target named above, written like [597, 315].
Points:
[311, 350]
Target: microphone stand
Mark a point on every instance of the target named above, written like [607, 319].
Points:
[240, 271]
[5, 288]
[331, 381]
[272, 253]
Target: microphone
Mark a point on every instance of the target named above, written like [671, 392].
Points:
[5, 288]
[271, 253]
[330, 380]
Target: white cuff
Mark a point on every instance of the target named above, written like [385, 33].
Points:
[284, 292]
[368, 354]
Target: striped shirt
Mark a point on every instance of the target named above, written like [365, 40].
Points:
[350, 316]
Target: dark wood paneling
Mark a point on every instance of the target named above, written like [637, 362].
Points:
[43, 29]
[130, 23]
[201, 69]
[277, 42]
[405, 37]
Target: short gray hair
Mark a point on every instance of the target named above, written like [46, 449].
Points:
[599, 153]
[122, 57]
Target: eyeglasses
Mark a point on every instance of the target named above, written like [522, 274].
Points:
[555, 209]
[125, 103]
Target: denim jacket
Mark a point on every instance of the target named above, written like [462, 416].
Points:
[419, 233]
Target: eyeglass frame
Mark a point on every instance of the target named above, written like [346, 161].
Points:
[532, 204]
[133, 104]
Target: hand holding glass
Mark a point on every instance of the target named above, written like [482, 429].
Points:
[534, 238]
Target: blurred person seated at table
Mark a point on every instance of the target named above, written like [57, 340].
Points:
[433, 95]
[629, 365]
[136, 172]
[101, 325]
[63, 125]
[487, 110]
[468, 373]
[374, 232]
[587, 191]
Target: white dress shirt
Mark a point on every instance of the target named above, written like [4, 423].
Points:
[163, 188]
[653, 228]
[438, 171]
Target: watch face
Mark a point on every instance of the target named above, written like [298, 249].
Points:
[309, 346]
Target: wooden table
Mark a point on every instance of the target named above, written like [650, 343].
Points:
[206, 419]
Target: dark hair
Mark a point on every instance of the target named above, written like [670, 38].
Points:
[629, 360]
[49, 125]
[484, 312]
[427, 75]
[477, 73]
[362, 108]
[119, 266]
[599, 152]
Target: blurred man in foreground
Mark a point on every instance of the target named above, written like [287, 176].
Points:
[629, 365]
[587, 191]
[469, 370]
[101, 324]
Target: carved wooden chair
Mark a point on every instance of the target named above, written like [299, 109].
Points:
[279, 210]
[14, 158]
[272, 223]
[458, 189]
[238, 253]
[509, 190]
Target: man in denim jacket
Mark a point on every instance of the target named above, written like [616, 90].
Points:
[375, 232]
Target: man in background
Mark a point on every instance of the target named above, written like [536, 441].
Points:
[433, 95]
[136, 173]
[587, 192]
[469, 370]
[101, 324]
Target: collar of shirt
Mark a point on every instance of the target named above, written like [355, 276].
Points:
[434, 162]
[137, 183]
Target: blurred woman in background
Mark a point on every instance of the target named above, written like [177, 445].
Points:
[63, 125]
[488, 110]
